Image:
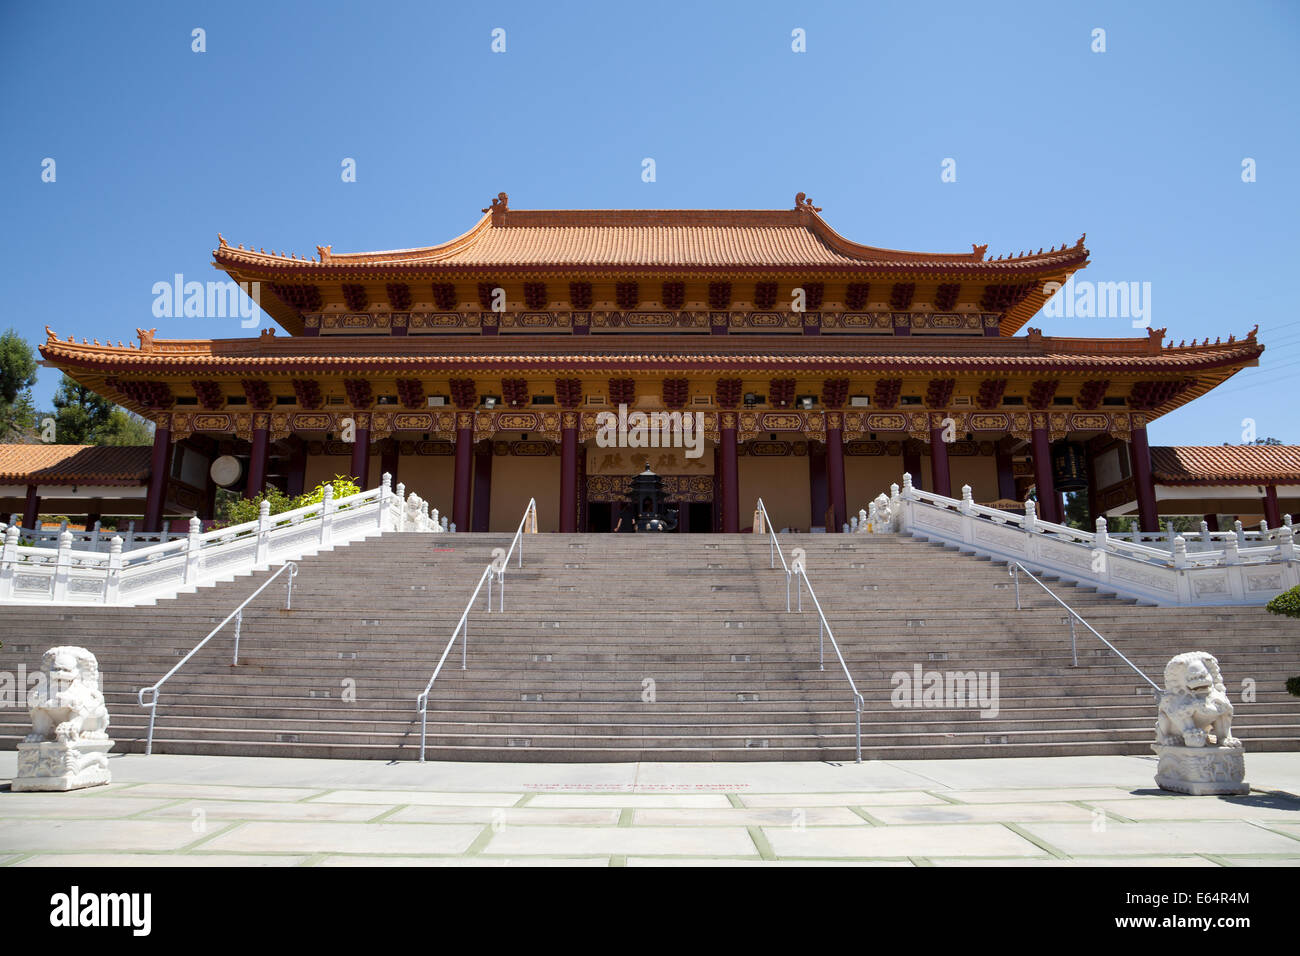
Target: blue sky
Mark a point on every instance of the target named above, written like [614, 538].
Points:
[157, 148]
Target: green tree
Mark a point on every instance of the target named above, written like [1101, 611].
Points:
[80, 415]
[125, 428]
[17, 376]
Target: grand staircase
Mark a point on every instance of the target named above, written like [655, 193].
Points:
[650, 647]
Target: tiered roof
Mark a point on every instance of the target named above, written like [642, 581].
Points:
[1226, 464]
[672, 242]
[75, 464]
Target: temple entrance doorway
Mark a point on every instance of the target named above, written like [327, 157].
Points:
[696, 517]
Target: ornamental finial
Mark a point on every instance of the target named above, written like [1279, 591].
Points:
[801, 201]
[222, 239]
[978, 251]
[324, 252]
[500, 204]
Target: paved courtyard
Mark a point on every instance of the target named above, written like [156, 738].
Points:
[245, 811]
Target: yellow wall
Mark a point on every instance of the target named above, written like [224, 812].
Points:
[980, 472]
[782, 483]
[866, 476]
[514, 481]
[432, 477]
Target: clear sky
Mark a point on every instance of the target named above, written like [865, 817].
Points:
[157, 148]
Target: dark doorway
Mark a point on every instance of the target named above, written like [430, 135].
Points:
[600, 516]
[698, 517]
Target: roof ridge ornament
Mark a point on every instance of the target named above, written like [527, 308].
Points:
[977, 252]
[801, 201]
[499, 205]
[146, 339]
[324, 252]
[222, 239]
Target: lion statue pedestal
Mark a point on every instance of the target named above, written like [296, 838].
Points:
[1198, 754]
[69, 743]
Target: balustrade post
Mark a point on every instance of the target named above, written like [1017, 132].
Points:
[967, 502]
[1240, 531]
[9, 562]
[113, 581]
[1101, 536]
[1286, 543]
[385, 492]
[908, 491]
[263, 532]
[326, 515]
[63, 566]
[1230, 552]
[192, 550]
[129, 543]
[1031, 517]
[400, 495]
[1180, 552]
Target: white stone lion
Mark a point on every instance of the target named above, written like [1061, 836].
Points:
[71, 707]
[1194, 709]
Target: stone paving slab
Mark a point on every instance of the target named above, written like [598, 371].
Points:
[346, 838]
[218, 810]
[744, 816]
[512, 816]
[159, 859]
[1030, 795]
[707, 861]
[626, 841]
[182, 791]
[695, 800]
[1251, 807]
[54, 806]
[1138, 861]
[972, 840]
[910, 798]
[390, 798]
[80, 835]
[1159, 839]
[982, 813]
[477, 861]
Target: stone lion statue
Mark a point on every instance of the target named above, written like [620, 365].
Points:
[1194, 709]
[71, 708]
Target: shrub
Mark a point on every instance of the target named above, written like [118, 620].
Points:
[343, 486]
[1293, 686]
[1288, 603]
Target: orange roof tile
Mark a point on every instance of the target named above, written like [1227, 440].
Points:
[677, 239]
[1225, 464]
[75, 464]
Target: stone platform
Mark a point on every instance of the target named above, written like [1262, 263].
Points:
[1050, 811]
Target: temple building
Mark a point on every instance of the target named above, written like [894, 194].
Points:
[476, 372]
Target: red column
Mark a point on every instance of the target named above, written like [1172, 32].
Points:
[389, 459]
[257, 462]
[1148, 518]
[940, 476]
[297, 476]
[912, 465]
[32, 513]
[835, 471]
[1043, 483]
[728, 469]
[817, 488]
[160, 466]
[1006, 475]
[569, 474]
[482, 517]
[460, 498]
[1272, 513]
[361, 453]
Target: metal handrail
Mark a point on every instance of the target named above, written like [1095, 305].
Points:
[495, 568]
[1015, 567]
[775, 551]
[237, 615]
[796, 570]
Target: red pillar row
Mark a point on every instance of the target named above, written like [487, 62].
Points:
[1272, 513]
[569, 479]
[160, 466]
[361, 458]
[464, 473]
[835, 477]
[940, 475]
[1148, 517]
[32, 511]
[1043, 484]
[257, 463]
[728, 470]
